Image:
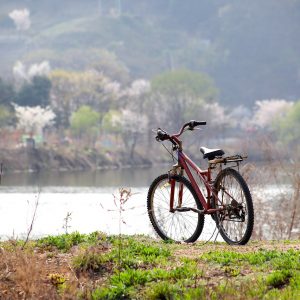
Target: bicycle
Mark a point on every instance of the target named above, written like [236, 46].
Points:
[177, 206]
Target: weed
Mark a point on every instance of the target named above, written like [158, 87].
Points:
[223, 258]
[67, 220]
[132, 277]
[273, 258]
[135, 253]
[278, 279]
[59, 281]
[162, 290]
[91, 261]
[232, 271]
[113, 292]
[65, 241]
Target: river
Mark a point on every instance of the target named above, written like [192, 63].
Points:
[89, 199]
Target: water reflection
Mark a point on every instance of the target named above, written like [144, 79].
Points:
[131, 177]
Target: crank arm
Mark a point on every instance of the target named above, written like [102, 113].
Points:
[184, 209]
[199, 211]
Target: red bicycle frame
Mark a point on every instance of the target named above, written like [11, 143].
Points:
[185, 163]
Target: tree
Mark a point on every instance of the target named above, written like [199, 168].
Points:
[35, 93]
[111, 122]
[108, 64]
[7, 93]
[179, 95]
[33, 119]
[288, 125]
[132, 125]
[84, 121]
[21, 18]
[71, 90]
[185, 83]
[6, 116]
[267, 111]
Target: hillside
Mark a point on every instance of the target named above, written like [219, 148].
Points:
[96, 266]
[251, 50]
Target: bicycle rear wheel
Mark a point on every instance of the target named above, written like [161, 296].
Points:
[235, 223]
[177, 226]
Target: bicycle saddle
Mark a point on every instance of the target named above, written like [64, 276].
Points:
[211, 153]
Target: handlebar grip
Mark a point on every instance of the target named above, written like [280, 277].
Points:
[193, 124]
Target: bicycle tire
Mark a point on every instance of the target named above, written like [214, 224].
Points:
[163, 220]
[231, 187]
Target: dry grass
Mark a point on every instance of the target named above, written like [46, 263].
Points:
[277, 215]
[26, 274]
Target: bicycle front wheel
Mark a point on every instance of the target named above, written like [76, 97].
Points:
[180, 226]
[235, 223]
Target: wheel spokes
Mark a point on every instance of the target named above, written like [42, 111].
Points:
[176, 225]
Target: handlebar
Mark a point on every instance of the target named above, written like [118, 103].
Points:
[162, 135]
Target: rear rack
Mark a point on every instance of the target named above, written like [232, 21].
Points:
[225, 160]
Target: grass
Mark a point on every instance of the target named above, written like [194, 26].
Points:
[96, 266]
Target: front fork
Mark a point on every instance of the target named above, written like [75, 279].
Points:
[176, 170]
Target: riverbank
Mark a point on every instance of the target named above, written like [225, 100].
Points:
[96, 266]
[45, 159]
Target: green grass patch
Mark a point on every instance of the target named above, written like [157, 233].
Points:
[133, 252]
[66, 241]
[139, 267]
[271, 258]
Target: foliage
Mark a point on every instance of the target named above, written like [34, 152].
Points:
[107, 63]
[289, 124]
[65, 241]
[84, 120]
[71, 90]
[7, 92]
[185, 84]
[6, 22]
[179, 96]
[110, 122]
[35, 93]
[258, 59]
[6, 116]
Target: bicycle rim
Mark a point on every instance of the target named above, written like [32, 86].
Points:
[236, 222]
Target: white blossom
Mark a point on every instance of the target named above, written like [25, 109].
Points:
[240, 116]
[112, 87]
[41, 69]
[34, 119]
[268, 110]
[133, 122]
[216, 112]
[21, 18]
[19, 71]
[138, 87]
